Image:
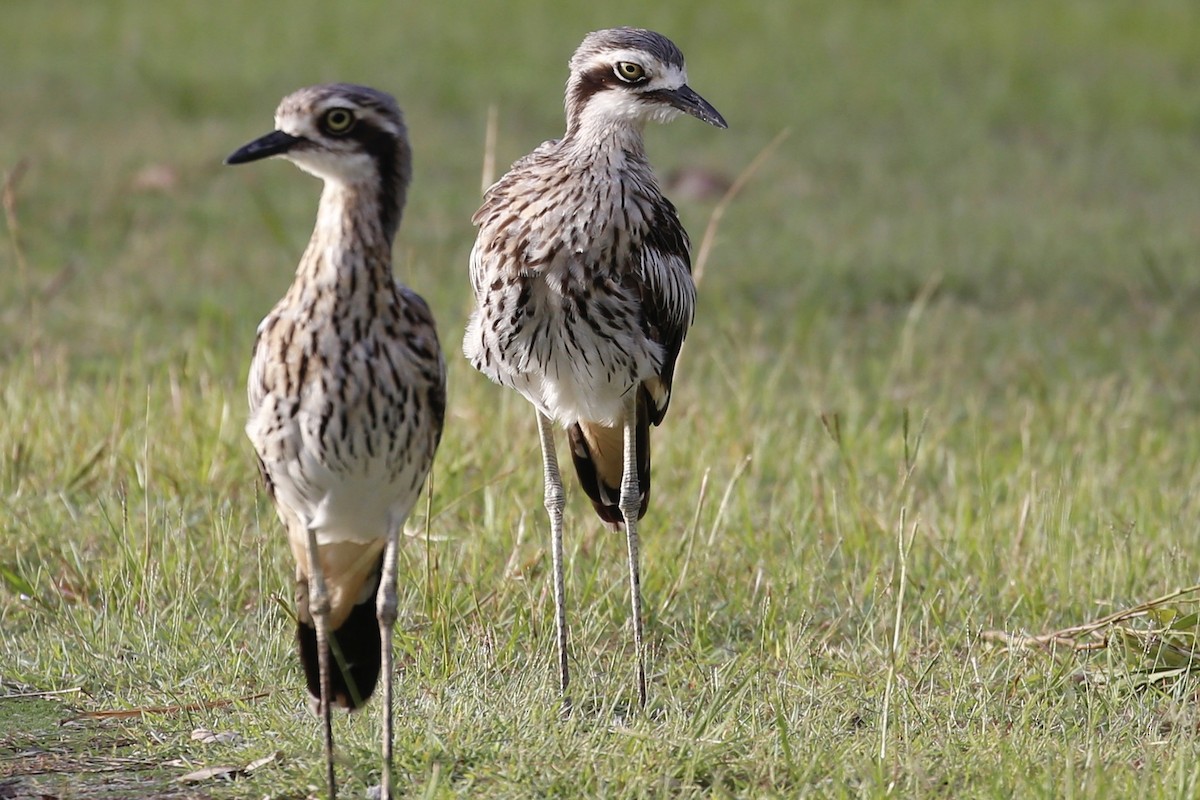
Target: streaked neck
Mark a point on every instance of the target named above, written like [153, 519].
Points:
[351, 244]
[589, 133]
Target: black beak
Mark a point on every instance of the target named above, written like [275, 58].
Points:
[686, 100]
[275, 143]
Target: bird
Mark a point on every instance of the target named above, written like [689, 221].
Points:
[347, 394]
[581, 275]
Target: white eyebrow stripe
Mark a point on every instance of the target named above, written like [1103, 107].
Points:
[668, 75]
[609, 57]
[672, 76]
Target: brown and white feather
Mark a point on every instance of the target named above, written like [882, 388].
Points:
[581, 268]
[347, 384]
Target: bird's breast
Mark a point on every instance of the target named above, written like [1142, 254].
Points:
[571, 338]
[343, 414]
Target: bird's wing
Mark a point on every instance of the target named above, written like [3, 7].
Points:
[423, 344]
[668, 297]
[504, 219]
[256, 388]
[256, 392]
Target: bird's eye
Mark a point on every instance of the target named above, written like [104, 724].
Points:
[630, 72]
[337, 121]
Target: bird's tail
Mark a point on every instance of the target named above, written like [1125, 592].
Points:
[352, 572]
[599, 456]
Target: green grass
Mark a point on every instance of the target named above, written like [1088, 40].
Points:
[959, 295]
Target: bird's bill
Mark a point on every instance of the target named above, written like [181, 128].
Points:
[686, 100]
[275, 143]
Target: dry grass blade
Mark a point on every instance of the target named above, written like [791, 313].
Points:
[714, 219]
[123, 713]
[719, 518]
[691, 540]
[902, 549]
[210, 773]
[227, 772]
[488, 176]
[1020, 641]
[41, 695]
[8, 195]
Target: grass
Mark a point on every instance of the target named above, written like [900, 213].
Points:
[942, 383]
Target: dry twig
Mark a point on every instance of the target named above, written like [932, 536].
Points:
[1088, 636]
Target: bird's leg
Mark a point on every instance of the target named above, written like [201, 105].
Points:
[555, 499]
[630, 504]
[386, 606]
[318, 607]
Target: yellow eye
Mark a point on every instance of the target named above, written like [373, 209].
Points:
[630, 72]
[337, 121]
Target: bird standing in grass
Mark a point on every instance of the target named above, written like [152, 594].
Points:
[583, 288]
[347, 394]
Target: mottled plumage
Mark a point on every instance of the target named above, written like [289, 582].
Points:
[346, 390]
[582, 280]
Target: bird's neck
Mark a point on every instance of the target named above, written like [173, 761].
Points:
[588, 135]
[351, 246]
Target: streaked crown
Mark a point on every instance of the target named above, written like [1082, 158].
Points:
[631, 75]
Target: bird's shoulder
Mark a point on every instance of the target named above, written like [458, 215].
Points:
[416, 312]
[422, 343]
[422, 331]
[529, 178]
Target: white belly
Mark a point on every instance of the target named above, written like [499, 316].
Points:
[571, 368]
[345, 493]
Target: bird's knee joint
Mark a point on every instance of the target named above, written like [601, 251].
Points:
[386, 609]
[318, 604]
[555, 499]
[630, 501]
[629, 511]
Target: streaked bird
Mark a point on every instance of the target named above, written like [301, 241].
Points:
[582, 280]
[347, 394]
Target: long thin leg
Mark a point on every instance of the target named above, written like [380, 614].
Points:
[386, 607]
[555, 499]
[318, 606]
[630, 504]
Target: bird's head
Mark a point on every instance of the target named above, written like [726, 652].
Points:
[339, 132]
[628, 76]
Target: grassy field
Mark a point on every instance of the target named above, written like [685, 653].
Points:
[943, 383]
